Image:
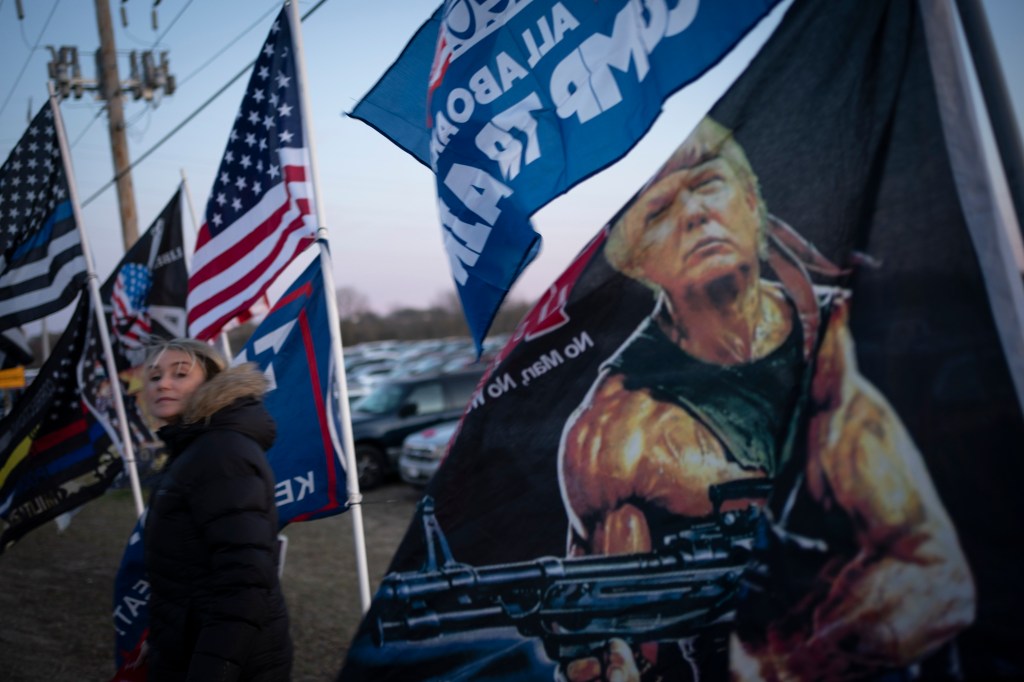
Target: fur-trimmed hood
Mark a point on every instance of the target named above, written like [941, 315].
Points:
[232, 401]
[243, 381]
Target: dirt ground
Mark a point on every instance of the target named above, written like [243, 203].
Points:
[56, 589]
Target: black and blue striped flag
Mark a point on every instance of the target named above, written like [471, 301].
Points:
[42, 268]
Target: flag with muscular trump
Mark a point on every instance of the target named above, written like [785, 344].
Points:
[765, 426]
[513, 103]
[259, 215]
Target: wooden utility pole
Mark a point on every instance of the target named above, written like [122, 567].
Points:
[110, 91]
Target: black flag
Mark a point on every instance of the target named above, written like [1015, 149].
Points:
[145, 295]
[763, 426]
[55, 452]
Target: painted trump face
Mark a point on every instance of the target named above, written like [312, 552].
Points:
[697, 223]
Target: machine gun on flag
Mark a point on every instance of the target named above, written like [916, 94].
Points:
[576, 604]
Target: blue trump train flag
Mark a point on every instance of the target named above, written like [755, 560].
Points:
[131, 609]
[511, 104]
[293, 348]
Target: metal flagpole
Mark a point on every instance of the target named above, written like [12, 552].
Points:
[222, 339]
[975, 178]
[997, 99]
[355, 498]
[127, 451]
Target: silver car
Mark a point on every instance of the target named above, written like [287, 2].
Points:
[422, 452]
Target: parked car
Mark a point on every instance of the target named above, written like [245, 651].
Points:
[422, 452]
[396, 408]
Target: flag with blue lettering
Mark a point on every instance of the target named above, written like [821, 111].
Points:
[293, 348]
[131, 608]
[511, 104]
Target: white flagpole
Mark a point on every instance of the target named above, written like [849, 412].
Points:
[355, 498]
[128, 450]
[188, 198]
[225, 346]
[989, 223]
[222, 339]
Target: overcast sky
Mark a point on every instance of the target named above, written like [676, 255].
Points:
[379, 202]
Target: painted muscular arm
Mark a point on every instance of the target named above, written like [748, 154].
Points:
[623, 447]
[908, 590]
[598, 477]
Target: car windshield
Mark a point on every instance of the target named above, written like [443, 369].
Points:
[384, 399]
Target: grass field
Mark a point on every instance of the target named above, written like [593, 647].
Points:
[56, 588]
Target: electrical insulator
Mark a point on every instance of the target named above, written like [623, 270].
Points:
[135, 77]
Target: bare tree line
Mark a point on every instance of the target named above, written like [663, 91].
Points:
[443, 318]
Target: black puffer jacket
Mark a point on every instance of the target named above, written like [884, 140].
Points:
[216, 608]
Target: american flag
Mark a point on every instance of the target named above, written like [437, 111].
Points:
[258, 217]
[130, 314]
[41, 264]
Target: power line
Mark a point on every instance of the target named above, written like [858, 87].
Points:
[174, 131]
[29, 57]
[171, 25]
[224, 49]
[134, 38]
[188, 119]
[145, 42]
[24, 38]
[99, 112]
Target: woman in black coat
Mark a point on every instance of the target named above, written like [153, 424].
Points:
[216, 607]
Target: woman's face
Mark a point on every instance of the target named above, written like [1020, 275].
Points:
[170, 379]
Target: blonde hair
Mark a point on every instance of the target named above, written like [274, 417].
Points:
[211, 361]
[709, 140]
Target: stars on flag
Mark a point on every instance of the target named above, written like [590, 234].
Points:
[130, 315]
[259, 216]
[267, 122]
[31, 183]
[41, 262]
